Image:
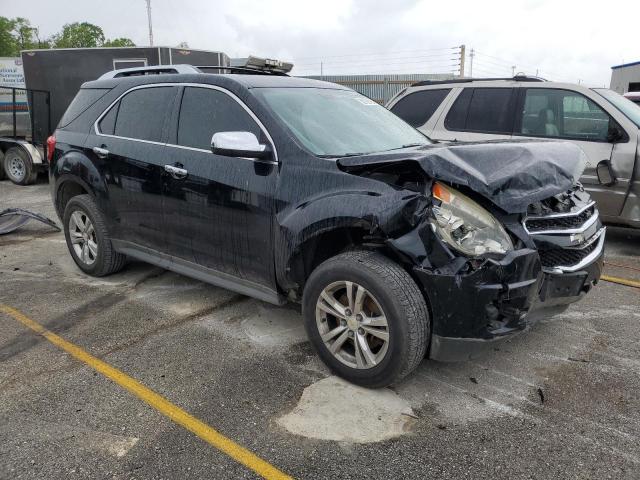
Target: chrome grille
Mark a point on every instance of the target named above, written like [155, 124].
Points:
[539, 224]
[566, 257]
[567, 241]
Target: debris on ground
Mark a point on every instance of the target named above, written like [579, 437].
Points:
[13, 218]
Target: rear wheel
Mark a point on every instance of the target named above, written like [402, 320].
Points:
[19, 167]
[2, 174]
[87, 238]
[366, 318]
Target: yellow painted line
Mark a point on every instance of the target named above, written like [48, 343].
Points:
[621, 281]
[164, 406]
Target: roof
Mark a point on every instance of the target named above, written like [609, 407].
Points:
[632, 64]
[245, 80]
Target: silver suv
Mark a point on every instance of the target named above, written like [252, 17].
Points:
[604, 124]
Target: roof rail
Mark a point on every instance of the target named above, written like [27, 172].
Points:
[248, 70]
[154, 70]
[517, 78]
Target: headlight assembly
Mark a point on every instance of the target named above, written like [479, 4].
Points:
[465, 225]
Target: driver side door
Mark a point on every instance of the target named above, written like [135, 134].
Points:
[219, 215]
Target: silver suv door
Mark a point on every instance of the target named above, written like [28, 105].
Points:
[485, 113]
[565, 114]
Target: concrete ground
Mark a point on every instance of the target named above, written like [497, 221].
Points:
[561, 401]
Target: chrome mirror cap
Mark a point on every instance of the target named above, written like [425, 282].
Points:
[238, 144]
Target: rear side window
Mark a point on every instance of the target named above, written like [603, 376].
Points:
[140, 114]
[83, 100]
[417, 108]
[108, 123]
[205, 111]
[485, 110]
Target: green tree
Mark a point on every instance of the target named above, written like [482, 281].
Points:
[8, 44]
[79, 35]
[26, 35]
[17, 34]
[119, 42]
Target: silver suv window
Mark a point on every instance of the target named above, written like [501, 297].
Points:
[556, 113]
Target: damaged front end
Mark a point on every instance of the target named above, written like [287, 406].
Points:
[491, 262]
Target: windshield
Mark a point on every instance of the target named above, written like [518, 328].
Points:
[339, 122]
[627, 107]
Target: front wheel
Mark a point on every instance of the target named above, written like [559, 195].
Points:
[366, 318]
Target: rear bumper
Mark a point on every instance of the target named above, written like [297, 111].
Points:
[477, 311]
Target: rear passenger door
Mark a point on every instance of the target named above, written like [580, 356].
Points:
[220, 214]
[478, 114]
[128, 146]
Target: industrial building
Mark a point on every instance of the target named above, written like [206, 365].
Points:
[381, 88]
[625, 78]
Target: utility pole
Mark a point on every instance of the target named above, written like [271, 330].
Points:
[149, 19]
[471, 55]
[513, 70]
[463, 50]
[321, 71]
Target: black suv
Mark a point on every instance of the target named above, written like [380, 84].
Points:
[284, 188]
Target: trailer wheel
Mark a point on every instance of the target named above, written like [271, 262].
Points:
[19, 167]
[2, 174]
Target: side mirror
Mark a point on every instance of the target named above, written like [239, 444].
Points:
[605, 173]
[238, 144]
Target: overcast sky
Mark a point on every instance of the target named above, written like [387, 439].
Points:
[562, 40]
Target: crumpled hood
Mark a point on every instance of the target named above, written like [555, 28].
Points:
[511, 174]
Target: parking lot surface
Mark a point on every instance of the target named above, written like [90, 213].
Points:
[561, 401]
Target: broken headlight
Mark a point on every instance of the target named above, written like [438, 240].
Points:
[465, 225]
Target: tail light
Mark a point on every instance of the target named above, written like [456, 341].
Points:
[51, 146]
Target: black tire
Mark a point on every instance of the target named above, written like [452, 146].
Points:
[18, 166]
[107, 260]
[2, 174]
[400, 300]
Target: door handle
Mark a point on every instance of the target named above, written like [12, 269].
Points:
[176, 172]
[101, 152]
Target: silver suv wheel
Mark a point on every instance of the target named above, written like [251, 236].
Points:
[83, 237]
[352, 325]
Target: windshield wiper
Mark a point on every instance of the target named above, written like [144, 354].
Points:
[408, 145]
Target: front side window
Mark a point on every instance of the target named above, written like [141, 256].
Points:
[334, 123]
[558, 113]
[140, 114]
[417, 108]
[205, 111]
[484, 110]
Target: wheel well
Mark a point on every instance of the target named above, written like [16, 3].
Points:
[321, 247]
[66, 192]
[329, 244]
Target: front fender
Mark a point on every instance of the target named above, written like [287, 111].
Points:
[375, 214]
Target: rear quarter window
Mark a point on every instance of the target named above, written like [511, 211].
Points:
[82, 101]
[417, 108]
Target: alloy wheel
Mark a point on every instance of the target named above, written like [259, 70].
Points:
[83, 237]
[352, 325]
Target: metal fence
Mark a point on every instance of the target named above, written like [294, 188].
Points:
[25, 114]
[380, 87]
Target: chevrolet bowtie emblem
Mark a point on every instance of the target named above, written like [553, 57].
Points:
[577, 238]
